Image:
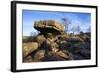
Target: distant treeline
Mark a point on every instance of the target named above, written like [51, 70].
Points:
[28, 39]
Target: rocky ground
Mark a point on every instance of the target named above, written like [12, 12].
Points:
[78, 46]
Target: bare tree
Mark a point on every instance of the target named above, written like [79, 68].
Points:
[32, 35]
[73, 29]
[66, 23]
[76, 29]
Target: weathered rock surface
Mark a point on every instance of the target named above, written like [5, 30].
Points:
[49, 26]
[29, 48]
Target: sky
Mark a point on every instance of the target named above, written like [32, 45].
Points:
[75, 18]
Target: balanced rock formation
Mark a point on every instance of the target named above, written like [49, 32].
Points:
[45, 46]
[49, 26]
[53, 44]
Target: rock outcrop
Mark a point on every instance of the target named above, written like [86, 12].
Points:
[49, 26]
[53, 44]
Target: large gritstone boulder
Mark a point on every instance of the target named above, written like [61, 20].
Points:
[46, 26]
